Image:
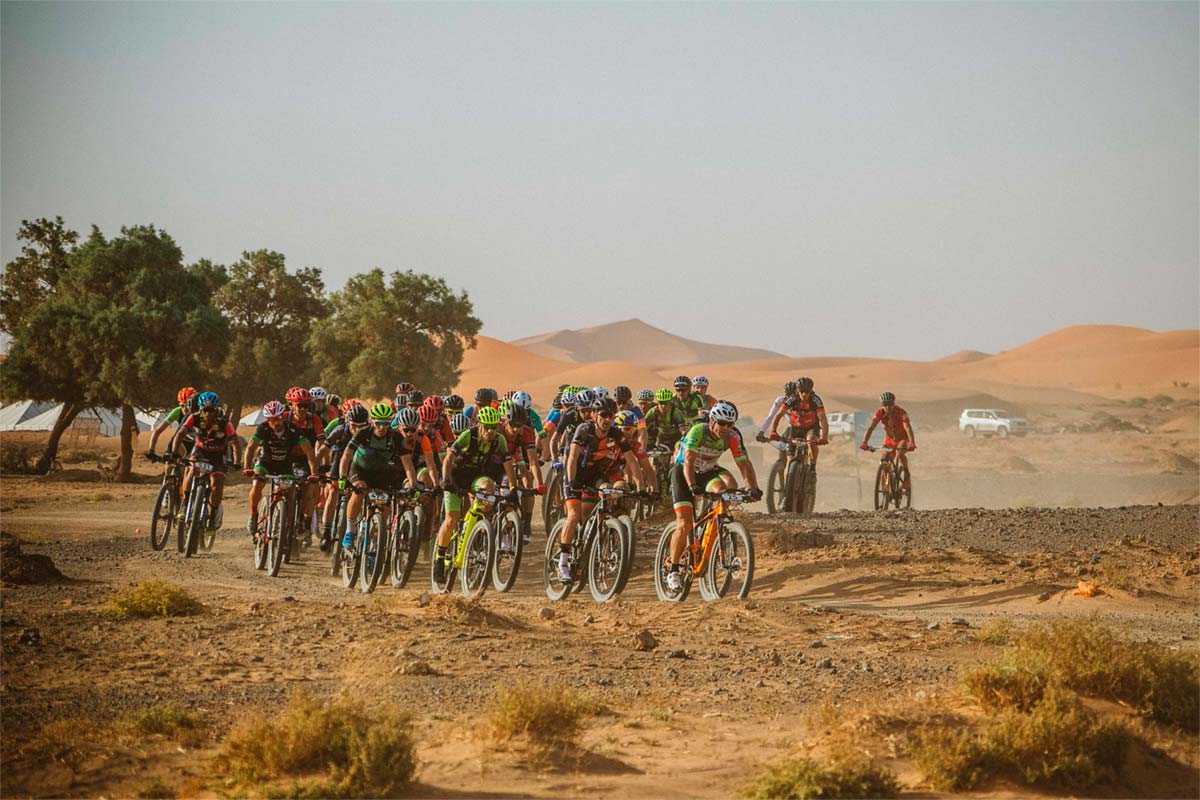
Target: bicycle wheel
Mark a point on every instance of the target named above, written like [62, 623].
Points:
[902, 495]
[371, 552]
[165, 507]
[197, 519]
[730, 568]
[630, 551]
[662, 557]
[608, 560]
[405, 541]
[553, 509]
[351, 563]
[449, 572]
[555, 588]
[509, 550]
[807, 492]
[775, 489]
[276, 531]
[791, 486]
[476, 572]
[260, 545]
[336, 532]
[882, 488]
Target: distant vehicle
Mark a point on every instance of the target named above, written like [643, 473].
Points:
[845, 424]
[991, 422]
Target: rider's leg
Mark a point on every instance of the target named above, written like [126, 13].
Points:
[218, 489]
[907, 482]
[811, 438]
[353, 512]
[185, 488]
[684, 522]
[256, 490]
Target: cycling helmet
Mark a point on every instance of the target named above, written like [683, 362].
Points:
[681, 381]
[887, 398]
[185, 394]
[790, 389]
[416, 397]
[505, 405]
[600, 391]
[585, 399]
[351, 403]
[400, 400]
[557, 401]
[567, 398]
[428, 414]
[274, 409]
[664, 395]
[522, 399]
[403, 387]
[459, 423]
[562, 386]
[645, 396]
[318, 393]
[334, 400]
[488, 416]
[436, 403]
[454, 402]
[298, 395]
[700, 380]
[381, 412]
[625, 419]
[483, 396]
[622, 394]
[509, 394]
[723, 411]
[407, 418]
[606, 404]
[804, 384]
[516, 416]
[207, 400]
[357, 414]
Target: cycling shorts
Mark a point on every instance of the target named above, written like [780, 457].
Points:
[803, 433]
[386, 479]
[452, 499]
[274, 467]
[589, 480]
[894, 442]
[216, 458]
[681, 495]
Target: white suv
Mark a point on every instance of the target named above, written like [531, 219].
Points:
[991, 422]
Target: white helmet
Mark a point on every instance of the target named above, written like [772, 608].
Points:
[600, 392]
[318, 393]
[522, 399]
[699, 380]
[723, 411]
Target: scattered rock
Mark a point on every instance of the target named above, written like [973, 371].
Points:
[815, 643]
[254, 607]
[30, 636]
[776, 660]
[588, 619]
[644, 640]
[483, 656]
[19, 567]
[933, 626]
[759, 684]
[423, 599]
[417, 667]
[288, 598]
[1044, 596]
[825, 663]
[677, 654]
[960, 622]
[1024, 563]
[546, 613]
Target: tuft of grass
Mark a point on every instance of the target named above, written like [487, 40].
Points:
[998, 631]
[1093, 660]
[546, 717]
[155, 790]
[154, 599]
[1058, 744]
[363, 753]
[1162, 400]
[186, 727]
[803, 778]
[97, 497]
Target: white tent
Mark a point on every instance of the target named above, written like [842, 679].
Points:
[110, 420]
[254, 418]
[15, 413]
[150, 419]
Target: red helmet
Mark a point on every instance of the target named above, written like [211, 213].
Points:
[185, 394]
[436, 403]
[298, 395]
[403, 387]
[428, 413]
[350, 403]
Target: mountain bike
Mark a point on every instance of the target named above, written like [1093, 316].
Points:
[276, 529]
[404, 539]
[366, 563]
[893, 484]
[166, 505]
[337, 528]
[602, 551]
[791, 487]
[719, 553]
[505, 520]
[552, 500]
[194, 527]
[471, 549]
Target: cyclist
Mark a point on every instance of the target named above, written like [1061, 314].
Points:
[408, 422]
[373, 460]
[806, 417]
[484, 397]
[273, 442]
[467, 461]
[300, 414]
[525, 401]
[789, 390]
[187, 406]
[522, 445]
[645, 401]
[897, 430]
[356, 418]
[320, 404]
[689, 402]
[700, 387]
[696, 471]
[665, 422]
[213, 432]
[624, 397]
[628, 423]
[437, 421]
[579, 411]
[414, 399]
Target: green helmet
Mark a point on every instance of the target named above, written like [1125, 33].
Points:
[505, 405]
[381, 411]
[489, 416]
[664, 395]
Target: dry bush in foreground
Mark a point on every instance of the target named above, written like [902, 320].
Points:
[355, 751]
[1093, 660]
[73, 741]
[803, 778]
[546, 717]
[154, 599]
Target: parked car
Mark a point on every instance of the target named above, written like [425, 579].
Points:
[844, 424]
[991, 422]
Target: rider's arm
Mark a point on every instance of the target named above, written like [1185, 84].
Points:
[689, 467]
[634, 469]
[231, 435]
[158, 429]
[448, 465]
[870, 429]
[409, 470]
[347, 460]
[575, 454]
[778, 415]
[309, 453]
[908, 428]
[822, 425]
[431, 463]
[747, 470]
[251, 449]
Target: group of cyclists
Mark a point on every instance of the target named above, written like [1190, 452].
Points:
[435, 444]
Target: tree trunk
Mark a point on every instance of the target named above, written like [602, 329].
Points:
[65, 417]
[129, 432]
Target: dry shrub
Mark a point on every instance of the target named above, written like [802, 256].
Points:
[155, 790]
[998, 631]
[154, 599]
[186, 727]
[547, 718]
[1093, 660]
[803, 778]
[361, 752]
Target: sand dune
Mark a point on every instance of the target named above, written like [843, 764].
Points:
[636, 342]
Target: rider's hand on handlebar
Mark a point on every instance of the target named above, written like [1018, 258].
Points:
[910, 446]
[864, 446]
[541, 489]
[756, 494]
[822, 441]
[775, 437]
[249, 473]
[556, 465]
[151, 457]
[447, 486]
[312, 478]
[697, 490]
[761, 437]
[341, 483]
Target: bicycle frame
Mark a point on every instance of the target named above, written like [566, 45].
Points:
[701, 547]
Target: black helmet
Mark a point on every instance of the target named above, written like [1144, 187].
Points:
[790, 388]
[604, 404]
[805, 384]
[516, 416]
[416, 397]
[453, 402]
[357, 415]
[682, 381]
[557, 401]
[623, 394]
[483, 396]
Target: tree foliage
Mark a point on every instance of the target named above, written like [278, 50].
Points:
[33, 275]
[409, 327]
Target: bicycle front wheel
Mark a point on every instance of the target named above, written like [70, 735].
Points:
[791, 486]
[476, 571]
[883, 489]
[509, 549]
[371, 553]
[608, 560]
[776, 498]
[662, 560]
[165, 506]
[196, 520]
[555, 588]
[630, 551]
[405, 541]
[730, 569]
[275, 535]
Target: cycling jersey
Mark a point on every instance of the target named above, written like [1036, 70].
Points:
[637, 412]
[893, 420]
[599, 453]
[378, 453]
[524, 439]
[552, 418]
[691, 406]
[803, 413]
[277, 447]
[211, 437]
[336, 440]
[663, 426]
[472, 453]
[312, 426]
[332, 426]
[535, 422]
[571, 419]
[708, 448]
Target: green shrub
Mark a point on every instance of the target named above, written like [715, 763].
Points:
[803, 778]
[154, 599]
[547, 716]
[186, 727]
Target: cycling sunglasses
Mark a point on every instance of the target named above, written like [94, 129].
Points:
[606, 415]
[492, 427]
[409, 431]
[381, 423]
[721, 424]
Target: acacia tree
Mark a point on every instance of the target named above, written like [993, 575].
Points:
[270, 312]
[411, 327]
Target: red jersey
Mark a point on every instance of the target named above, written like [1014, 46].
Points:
[803, 414]
[524, 439]
[894, 420]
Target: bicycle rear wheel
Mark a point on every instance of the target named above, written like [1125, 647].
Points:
[555, 588]
[165, 507]
[791, 487]
[509, 549]
[662, 557]
[371, 553]
[776, 497]
[608, 560]
[553, 508]
[476, 572]
[276, 532]
[405, 542]
[730, 568]
[883, 492]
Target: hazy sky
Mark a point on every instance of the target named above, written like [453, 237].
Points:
[820, 179]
